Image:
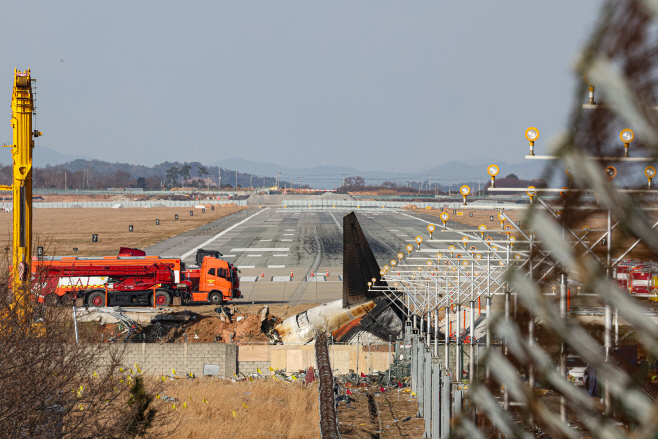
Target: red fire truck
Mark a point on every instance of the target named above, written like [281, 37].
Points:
[135, 280]
[639, 278]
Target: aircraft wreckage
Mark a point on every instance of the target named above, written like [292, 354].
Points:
[380, 315]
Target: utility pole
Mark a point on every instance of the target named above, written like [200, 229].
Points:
[250, 181]
[343, 180]
[479, 186]
[236, 180]
[449, 185]
[65, 183]
[278, 179]
[219, 180]
[430, 183]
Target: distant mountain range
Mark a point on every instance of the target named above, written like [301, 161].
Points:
[329, 176]
[43, 156]
[321, 177]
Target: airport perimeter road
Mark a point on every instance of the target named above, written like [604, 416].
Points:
[268, 244]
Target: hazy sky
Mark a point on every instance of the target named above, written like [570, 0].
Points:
[373, 84]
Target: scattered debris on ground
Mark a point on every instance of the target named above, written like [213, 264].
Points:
[225, 324]
[376, 411]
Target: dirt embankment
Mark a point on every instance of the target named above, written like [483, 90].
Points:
[240, 324]
[240, 328]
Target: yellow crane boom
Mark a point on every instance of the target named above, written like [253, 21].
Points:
[22, 107]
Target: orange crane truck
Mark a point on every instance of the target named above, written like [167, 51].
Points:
[135, 280]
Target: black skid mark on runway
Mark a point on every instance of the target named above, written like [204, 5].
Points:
[310, 245]
[332, 247]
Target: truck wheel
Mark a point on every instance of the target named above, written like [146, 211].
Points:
[162, 298]
[96, 298]
[216, 298]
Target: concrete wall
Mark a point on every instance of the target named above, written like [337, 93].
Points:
[251, 357]
[295, 357]
[158, 359]
[279, 199]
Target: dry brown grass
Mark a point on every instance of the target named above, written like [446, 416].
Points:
[383, 416]
[65, 229]
[274, 409]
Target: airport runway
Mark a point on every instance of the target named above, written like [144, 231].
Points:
[268, 244]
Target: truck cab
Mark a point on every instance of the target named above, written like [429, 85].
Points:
[217, 281]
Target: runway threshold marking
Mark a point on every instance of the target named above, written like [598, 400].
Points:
[222, 233]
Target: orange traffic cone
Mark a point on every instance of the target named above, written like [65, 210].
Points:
[312, 273]
[262, 273]
[327, 272]
[291, 274]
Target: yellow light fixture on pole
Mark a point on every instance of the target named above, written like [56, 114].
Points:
[444, 217]
[650, 172]
[610, 172]
[532, 134]
[493, 170]
[465, 190]
[431, 228]
[501, 217]
[531, 193]
[627, 137]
